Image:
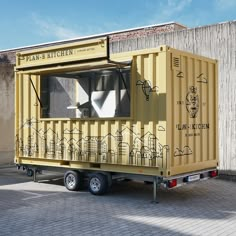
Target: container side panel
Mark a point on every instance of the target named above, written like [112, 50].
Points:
[34, 113]
[205, 115]
[190, 67]
[212, 153]
[176, 83]
[151, 112]
[159, 106]
[187, 69]
[138, 141]
[59, 143]
[193, 100]
[17, 115]
[193, 103]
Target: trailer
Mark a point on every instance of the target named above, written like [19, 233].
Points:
[149, 114]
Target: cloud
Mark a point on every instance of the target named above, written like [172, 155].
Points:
[47, 27]
[186, 151]
[175, 6]
[167, 11]
[161, 128]
[225, 5]
[72, 131]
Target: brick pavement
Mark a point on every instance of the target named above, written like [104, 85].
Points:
[47, 208]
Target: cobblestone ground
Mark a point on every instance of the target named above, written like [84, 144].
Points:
[47, 208]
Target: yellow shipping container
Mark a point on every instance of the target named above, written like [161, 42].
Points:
[151, 112]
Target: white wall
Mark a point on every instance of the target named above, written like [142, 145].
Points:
[6, 113]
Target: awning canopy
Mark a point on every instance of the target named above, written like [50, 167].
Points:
[84, 55]
[65, 67]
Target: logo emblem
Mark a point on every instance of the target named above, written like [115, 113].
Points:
[192, 102]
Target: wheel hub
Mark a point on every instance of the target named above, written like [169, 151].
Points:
[70, 181]
[95, 184]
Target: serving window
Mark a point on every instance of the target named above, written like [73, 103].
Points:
[97, 93]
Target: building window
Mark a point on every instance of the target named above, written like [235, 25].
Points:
[100, 93]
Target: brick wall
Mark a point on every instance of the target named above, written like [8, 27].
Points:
[145, 32]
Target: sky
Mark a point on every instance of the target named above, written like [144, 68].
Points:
[30, 22]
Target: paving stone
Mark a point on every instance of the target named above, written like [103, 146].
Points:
[46, 208]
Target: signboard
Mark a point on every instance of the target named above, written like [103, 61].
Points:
[80, 51]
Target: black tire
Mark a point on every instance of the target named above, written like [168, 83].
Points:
[73, 180]
[29, 172]
[98, 184]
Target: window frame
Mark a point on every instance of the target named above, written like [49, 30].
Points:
[131, 95]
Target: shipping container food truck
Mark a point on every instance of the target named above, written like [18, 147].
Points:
[148, 114]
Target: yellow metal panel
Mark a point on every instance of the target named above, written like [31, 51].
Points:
[84, 50]
[216, 118]
[193, 99]
[172, 128]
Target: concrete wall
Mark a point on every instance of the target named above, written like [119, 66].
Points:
[6, 113]
[215, 41]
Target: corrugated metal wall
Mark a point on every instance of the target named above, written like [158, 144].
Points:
[214, 41]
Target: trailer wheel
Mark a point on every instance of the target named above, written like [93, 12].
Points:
[29, 172]
[98, 184]
[73, 180]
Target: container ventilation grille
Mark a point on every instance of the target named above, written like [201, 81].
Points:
[176, 62]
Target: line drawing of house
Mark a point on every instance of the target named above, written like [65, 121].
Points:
[72, 131]
[122, 147]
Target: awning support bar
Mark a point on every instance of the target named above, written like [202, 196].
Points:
[123, 63]
[41, 105]
[123, 80]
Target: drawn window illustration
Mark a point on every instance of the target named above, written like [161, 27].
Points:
[98, 93]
